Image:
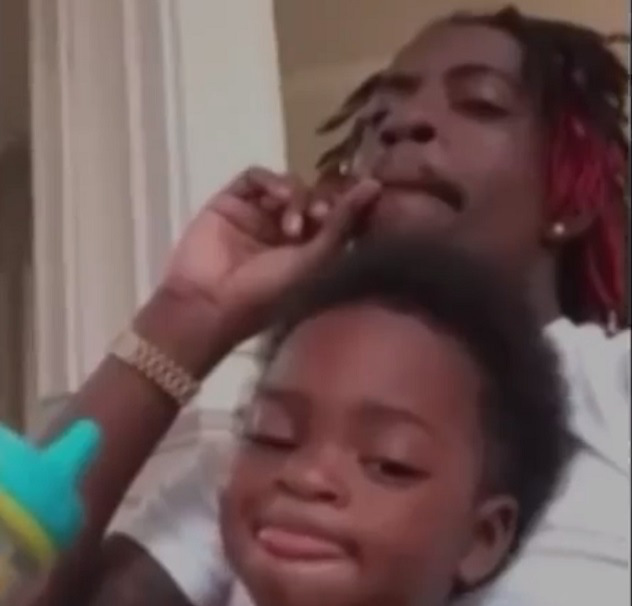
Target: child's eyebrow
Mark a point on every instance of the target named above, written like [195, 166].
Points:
[380, 411]
[368, 409]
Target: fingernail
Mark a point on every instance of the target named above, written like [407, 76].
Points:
[365, 190]
[294, 224]
[319, 210]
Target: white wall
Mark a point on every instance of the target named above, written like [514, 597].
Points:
[232, 116]
[231, 91]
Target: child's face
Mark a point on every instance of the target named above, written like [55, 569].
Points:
[359, 478]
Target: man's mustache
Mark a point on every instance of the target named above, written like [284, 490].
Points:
[429, 181]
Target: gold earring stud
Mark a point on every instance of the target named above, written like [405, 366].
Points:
[559, 230]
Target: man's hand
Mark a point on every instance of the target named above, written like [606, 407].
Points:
[256, 238]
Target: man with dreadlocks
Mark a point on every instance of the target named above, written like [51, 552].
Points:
[503, 133]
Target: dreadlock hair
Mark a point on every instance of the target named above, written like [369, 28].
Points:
[579, 86]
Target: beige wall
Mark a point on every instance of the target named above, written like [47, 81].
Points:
[327, 46]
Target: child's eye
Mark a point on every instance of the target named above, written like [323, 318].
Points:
[265, 427]
[479, 108]
[393, 471]
[269, 441]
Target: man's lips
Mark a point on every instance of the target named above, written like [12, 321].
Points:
[401, 171]
[299, 544]
[439, 191]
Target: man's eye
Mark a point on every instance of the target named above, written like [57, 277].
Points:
[394, 471]
[480, 108]
[270, 441]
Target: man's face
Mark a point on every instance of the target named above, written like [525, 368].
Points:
[357, 480]
[453, 136]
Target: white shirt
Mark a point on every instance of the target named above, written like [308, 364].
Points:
[579, 555]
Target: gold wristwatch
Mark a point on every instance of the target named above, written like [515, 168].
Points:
[156, 366]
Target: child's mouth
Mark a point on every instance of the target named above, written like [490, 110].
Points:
[290, 544]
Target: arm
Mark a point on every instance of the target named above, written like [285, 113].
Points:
[133, 415]
[129, 576]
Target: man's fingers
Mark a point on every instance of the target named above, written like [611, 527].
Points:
[293, 223]
[294, 219]
[319, 210]
[363, 192]
[321, 205]
[288, 203]
[343, 217]
[285, 195]
[335, 220]
[258, 181]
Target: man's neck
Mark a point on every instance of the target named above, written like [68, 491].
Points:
[542, 292]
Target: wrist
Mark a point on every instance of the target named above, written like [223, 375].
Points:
[187, 327]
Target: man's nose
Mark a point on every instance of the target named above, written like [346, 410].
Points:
[315, 475]
[409, 122]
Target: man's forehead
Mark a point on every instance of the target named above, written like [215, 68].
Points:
[443, 46]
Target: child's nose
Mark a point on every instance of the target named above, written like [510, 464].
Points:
[315, 476]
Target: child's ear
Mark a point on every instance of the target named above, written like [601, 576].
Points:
[492, 537]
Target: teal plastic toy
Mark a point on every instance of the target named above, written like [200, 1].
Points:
[40, 507]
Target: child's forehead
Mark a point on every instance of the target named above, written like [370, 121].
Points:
[351, 355]
[371, 333]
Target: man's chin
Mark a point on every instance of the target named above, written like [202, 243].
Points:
[377, 228]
